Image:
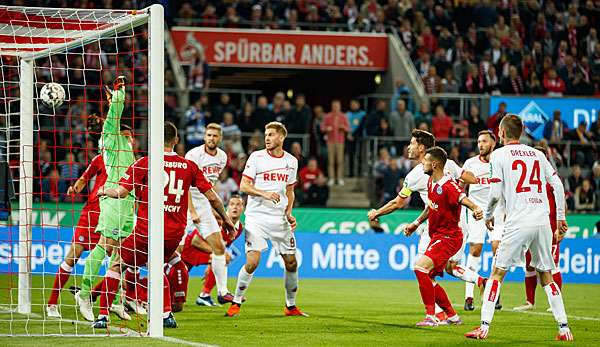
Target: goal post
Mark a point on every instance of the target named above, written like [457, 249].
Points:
[41, 42]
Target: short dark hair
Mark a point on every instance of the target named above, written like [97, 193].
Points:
[487, 132]
[512, 126]
[541, 149]
[438, 154]
[235, 196]
[170, 132]
[424, 138]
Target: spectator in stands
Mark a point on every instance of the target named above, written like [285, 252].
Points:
[314, 184]
[584, 143]
[226, 186]
[296, 151]
[187, 14]
[449, 83]
[262, 115]
[276, 107]
[476, 124]
[595, 130]
[493, 121]
[513, 84]
[432, 82]
[441, 124]
[298, 119]
[355, 116]
[423, 115]
[401, 91]
[474, 82]
[576, 178]
[370, 123]
[319, 135]
[423, 65]
[195, 127]
[220, 109]
[554, 85]
[402, 120]
[585, 199]
[335, 126]
[245, 119]
[232, 133]
[555, 129]
[199, 75]
[595, 178]
[385, 130]
[209, 16]
[232, 20]
[391, 180]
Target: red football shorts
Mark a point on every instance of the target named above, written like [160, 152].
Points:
[440, 249]
[85, 233]
[190, 254]
[134, 249]
[178, 277]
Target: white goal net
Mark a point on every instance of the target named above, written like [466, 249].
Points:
[48, 144]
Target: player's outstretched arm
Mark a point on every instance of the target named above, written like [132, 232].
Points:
[393, 205]
[247, 187]
[115, 193]
[468, 177]
[78, 186]
[477, 212]
[410, 228]
[116, 101]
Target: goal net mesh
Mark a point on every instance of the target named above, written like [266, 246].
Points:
[83, 51]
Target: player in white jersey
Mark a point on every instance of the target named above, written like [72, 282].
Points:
[479, 193]
[269, 179]
[211, 160]
[523, 173]
[416, 181]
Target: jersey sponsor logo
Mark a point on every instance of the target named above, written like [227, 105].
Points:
[432, 205]
[276, 177]
[213, 169]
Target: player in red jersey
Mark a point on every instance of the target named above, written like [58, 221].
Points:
[445, 199]
[179, 175]
[84, 237]
[530, 273]
[197, 251]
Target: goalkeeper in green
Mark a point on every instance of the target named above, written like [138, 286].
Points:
[116, 215]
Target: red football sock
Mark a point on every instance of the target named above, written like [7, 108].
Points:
[209, 281]
[110, 285]
[131, 278]
[141, 289]
[62, 276]
[166, 295]
[530, 284]
[97, 290]
[427, 290]
[558, 279]
[441, 298]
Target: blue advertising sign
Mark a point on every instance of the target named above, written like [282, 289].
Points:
[535, 112]
[351, 256]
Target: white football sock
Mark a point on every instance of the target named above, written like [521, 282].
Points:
[558, 307]
[219, 267]
[465, 274]
[291, 287]
[244, 279]
[490, 296]
[473, 263]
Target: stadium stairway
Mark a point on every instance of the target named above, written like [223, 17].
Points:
[351, 195]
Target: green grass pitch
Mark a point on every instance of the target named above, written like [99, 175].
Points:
[343, 313]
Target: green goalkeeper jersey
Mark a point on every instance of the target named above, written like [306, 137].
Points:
[116, 215]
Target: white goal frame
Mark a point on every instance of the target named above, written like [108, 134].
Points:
[154, 16]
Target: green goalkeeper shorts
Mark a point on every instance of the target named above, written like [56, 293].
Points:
[116, 217]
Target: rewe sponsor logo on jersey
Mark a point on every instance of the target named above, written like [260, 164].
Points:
[534, 117]
[275, 176]
[213, 169]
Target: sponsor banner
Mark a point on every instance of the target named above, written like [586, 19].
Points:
[282, 49]
[536, 112]
[354, 256]
[332, 221]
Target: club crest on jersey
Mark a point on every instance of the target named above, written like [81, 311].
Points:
[432, 205]
[439, 190]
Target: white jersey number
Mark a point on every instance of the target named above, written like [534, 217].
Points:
[171, 181]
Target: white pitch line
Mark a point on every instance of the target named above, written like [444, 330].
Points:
[126, 331]
[595, 319]
[185, 342]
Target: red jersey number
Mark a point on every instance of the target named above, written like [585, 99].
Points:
[175, 186]
[534, 178]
